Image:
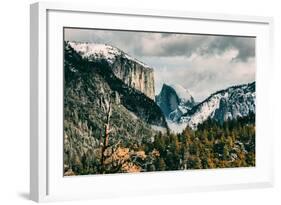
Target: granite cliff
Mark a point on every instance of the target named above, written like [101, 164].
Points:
[131, 71]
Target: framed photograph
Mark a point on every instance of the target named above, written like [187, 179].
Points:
[127, 102]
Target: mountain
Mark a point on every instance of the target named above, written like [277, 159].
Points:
[131, 71]
[174, 101]
[231, 103]
[89, 87]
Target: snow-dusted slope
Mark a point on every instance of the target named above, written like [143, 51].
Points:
[174, 101]
[182, 93]
[131, 71]
[93, 51]
[231, 103]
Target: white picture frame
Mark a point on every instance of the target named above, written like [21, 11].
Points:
[46, 178]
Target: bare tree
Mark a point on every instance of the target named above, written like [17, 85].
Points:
[115, 158]
[106, 106]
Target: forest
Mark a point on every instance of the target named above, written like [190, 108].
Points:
[211, 145]
[108, 128]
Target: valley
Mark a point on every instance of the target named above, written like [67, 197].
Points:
[114, 122]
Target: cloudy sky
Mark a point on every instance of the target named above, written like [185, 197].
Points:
[202, 64]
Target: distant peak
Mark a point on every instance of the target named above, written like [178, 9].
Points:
[180, 91]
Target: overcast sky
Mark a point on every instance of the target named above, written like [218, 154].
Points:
[202, 64]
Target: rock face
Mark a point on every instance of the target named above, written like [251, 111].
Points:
[135, 75]
[131, 71]
[89, 87]
[231, 103]
[174, 101]
[181, 111]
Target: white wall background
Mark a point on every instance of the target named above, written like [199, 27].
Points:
[14, 101]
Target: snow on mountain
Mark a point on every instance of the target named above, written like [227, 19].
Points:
[228, 104]
[93, 51]
[131, 71]
[174, 101]
[182, 93]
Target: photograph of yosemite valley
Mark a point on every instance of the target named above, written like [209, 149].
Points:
[138, 101]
